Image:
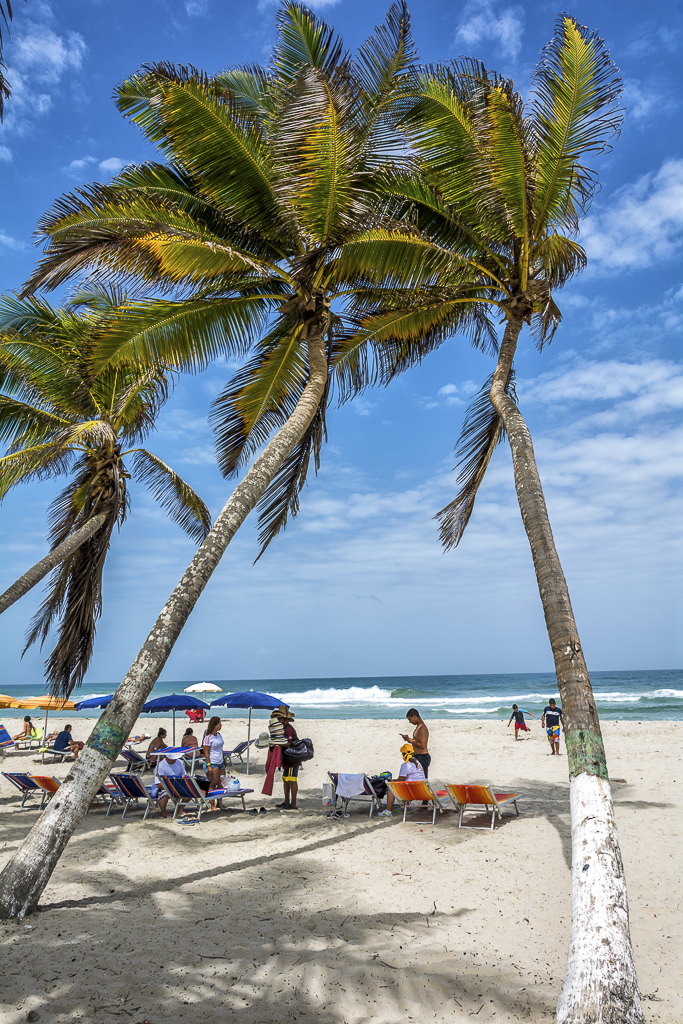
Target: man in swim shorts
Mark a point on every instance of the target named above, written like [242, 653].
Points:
[419, 740]
[552, 716]
[519, 720]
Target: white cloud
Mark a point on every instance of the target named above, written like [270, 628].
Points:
[44, 55]
[113, 165]
[645, 101]
[480, 23]
[196, 8]
[315, 5]
[37, 60]
[642, 225]
[5, 154]
[11, 243]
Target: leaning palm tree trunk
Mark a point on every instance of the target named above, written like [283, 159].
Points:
[47, 564]
[27, 873]
[600, 984]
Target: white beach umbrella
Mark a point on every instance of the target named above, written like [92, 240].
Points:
[202, 688]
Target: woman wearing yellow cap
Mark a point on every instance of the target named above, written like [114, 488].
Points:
[410, 771]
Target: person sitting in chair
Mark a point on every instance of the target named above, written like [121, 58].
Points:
[65, 741]
[410, 771]
[27, 733]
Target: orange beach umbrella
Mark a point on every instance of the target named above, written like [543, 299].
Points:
[47, 703]
[8, 702]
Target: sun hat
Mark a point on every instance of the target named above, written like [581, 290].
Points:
[282, 712]
[263, 739]
[407, 751]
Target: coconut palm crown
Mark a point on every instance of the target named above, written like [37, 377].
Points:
[60, 416]
[263, 226]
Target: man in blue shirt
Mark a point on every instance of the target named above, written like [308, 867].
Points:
[552, 716]
[64, 742]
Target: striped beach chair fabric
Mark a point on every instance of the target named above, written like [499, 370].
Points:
[24, 782]
[183, 789]
[49, 786]
[131, 791]
[408, 792]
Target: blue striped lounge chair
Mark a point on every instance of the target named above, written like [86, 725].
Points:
[24, 783]
[132, 790]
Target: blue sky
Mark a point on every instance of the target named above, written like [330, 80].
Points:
[359, 585]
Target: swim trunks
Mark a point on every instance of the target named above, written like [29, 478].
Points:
[425, 760]
[522, 725]
[290, 773]
[553, 733]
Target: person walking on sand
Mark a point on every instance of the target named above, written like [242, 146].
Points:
[550, 721]
[419, 740]
[518, 715]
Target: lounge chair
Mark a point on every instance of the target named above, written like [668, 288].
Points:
[238, 752]
[32, 741]
[407, 792]
[57, 755]
[49, 786]
[108, 796]
[132, 790]
[368, 796]
[184, 789]
[468, 796]
[136, 762]
[23, 781]
[6, 740]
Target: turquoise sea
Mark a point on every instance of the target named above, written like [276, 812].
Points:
[634, 696]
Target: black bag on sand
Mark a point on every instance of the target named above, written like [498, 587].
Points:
[300, 750]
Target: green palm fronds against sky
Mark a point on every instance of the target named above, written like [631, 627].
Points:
[61, 416]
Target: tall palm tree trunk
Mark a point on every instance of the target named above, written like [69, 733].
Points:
[27, 873]
[600, 984]
[52, 559]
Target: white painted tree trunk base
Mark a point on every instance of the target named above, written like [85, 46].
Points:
[600, 984]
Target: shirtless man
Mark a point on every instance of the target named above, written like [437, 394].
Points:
[419, 739]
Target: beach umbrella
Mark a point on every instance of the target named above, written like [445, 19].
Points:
[202, 688]
[47, 703]
[8, 702]
[173, 702]
[248, 699]
[94, 702]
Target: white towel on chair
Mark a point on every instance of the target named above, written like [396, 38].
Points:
[350, 785]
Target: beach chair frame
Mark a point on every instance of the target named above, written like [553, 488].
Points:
[49, 785]
[368, 797]
[184, 789]
[131, 790]
[136, 762]
[32, 742]
[238, 751]
[421, 791]
[23, 781]
[464, 796]
[57, 755]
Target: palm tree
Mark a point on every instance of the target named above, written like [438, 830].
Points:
[61, 416]
[248, 233]
[503, 188]
[6, 14]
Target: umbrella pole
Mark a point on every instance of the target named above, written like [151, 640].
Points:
[174, 727]
[249, 741]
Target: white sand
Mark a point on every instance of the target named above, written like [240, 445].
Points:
[287, 917]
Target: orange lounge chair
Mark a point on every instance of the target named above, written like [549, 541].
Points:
[422, 791]
[464, 796]
[49, 786]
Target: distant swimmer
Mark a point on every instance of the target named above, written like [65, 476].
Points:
[419, 740]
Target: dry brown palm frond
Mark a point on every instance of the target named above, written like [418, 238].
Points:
[482, 431]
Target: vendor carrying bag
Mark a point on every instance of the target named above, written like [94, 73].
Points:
[300, 750]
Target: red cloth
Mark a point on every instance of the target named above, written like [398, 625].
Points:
[273, 762]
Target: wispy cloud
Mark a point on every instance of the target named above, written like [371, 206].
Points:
[645, 101]
[196, 8]
[315, 5]
[11, 243]
[641, 225]
[482, 22]
[112, 165]
[5, 154]
[38, 58]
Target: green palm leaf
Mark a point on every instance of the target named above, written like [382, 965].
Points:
[184, 506]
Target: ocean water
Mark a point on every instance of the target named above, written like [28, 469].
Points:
[633, 696]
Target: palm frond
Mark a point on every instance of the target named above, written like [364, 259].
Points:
[304, 41]
[183, 505]
[39, 462]
[482, 431]
[576, 87]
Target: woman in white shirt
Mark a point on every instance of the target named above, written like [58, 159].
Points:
[213, 752]
[410, 771]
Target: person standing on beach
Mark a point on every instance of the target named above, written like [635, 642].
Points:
[518, 716]
[419, 740]
[290, 769]
[552, 716]
[212, 742]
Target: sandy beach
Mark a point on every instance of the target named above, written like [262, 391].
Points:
[298, 917]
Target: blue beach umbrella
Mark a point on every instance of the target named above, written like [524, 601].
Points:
[248, 699]
[94, 702]
[173, 702]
